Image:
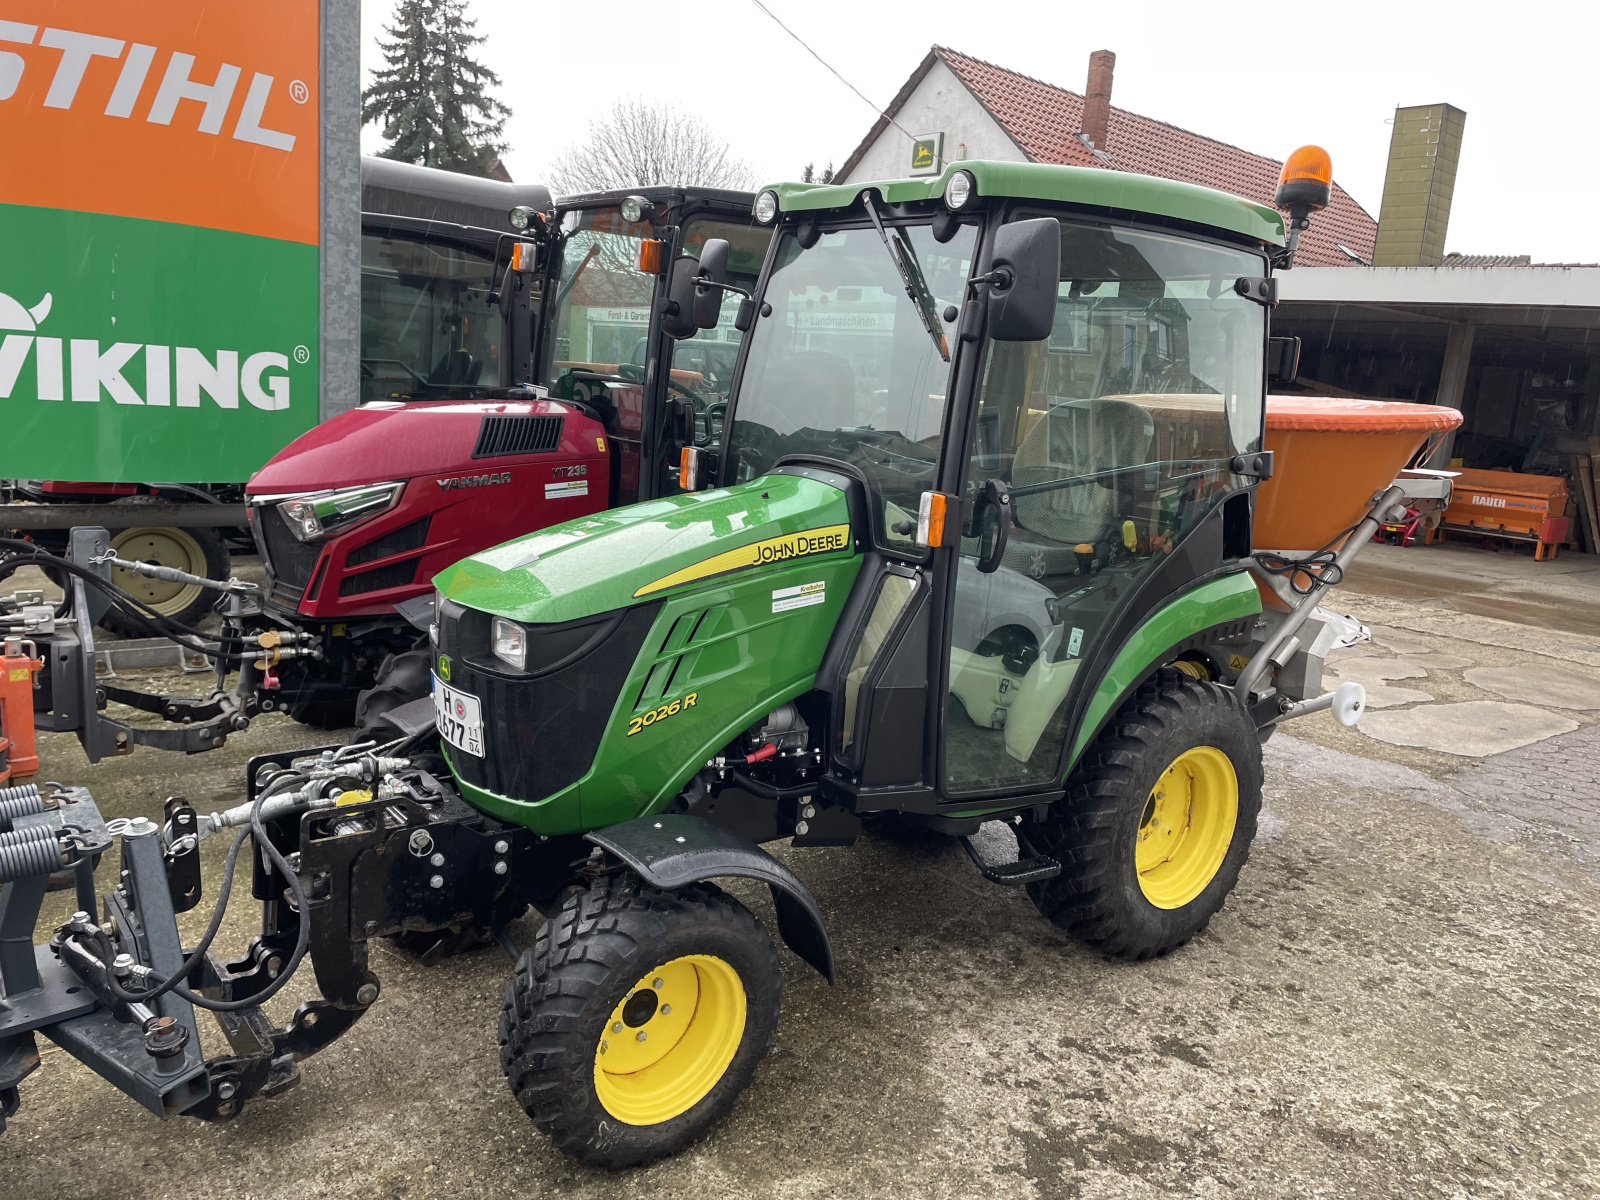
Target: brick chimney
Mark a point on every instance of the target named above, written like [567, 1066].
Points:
[1097, 98]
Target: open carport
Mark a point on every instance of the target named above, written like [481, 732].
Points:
[1515, 347]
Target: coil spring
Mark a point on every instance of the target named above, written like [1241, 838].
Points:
[26, 853]
[23, 800]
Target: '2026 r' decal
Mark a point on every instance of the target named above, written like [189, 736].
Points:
[671, 709]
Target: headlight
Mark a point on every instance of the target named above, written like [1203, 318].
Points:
[636, 210]
[322, 513]
[767, 207]
[959, 190]
[509, 641]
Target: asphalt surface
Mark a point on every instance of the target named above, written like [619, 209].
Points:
[1398, 1000]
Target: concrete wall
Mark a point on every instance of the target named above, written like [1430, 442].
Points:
[939, 104]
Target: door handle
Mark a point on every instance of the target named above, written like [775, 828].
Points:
[994, 524]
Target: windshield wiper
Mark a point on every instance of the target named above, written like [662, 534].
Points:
[916, 284]
[589, 256]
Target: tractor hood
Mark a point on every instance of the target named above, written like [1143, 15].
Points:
[633, 555]
[387, 440]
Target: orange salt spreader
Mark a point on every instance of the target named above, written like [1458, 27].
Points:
[1331, 456]
[1504, 504]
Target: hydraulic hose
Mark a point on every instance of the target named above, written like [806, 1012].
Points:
[767, 790]
[175, 982]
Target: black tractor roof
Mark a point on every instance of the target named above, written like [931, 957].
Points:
[663, 196]
[424, 193]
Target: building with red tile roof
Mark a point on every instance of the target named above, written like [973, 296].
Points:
[986, 111]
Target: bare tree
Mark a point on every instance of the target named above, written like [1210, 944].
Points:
[638, 144]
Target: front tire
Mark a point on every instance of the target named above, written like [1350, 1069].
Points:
[199, 551]
[1157, 822]
[619, 965]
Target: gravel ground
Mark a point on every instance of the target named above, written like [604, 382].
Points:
[1395, 1002]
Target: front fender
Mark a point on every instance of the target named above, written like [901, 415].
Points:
[671, 851]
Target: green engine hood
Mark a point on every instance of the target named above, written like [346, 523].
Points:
[630, 555]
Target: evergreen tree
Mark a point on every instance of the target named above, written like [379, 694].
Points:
[433, 97]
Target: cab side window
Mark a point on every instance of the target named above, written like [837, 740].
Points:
[1113, 437]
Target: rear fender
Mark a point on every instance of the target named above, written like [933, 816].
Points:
[672, 851]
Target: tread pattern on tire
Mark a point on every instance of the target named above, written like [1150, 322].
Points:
[1090, 898]
[545, 1055]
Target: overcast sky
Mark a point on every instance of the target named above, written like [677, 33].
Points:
[1331, 73]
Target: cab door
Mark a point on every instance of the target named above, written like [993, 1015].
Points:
[1095, 455]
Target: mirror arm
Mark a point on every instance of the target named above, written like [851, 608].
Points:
[998, 280]
[707, 285]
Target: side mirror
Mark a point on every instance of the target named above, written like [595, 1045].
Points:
[677, 310]
[713, 277]
[694, 290]
[1283, 359]
[1023, 274]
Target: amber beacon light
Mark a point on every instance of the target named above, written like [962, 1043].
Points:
[1305, 185]
[1306, 180]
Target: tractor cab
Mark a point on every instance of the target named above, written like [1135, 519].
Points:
[1046, 415]
[601, 343]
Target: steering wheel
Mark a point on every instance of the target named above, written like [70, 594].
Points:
[701, 401]
[416, 376]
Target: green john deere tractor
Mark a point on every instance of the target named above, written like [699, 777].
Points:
[972, 546]
[972, 542]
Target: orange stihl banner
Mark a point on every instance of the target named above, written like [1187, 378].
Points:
[193, 113]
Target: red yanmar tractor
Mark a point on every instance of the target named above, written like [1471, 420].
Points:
[355, 518]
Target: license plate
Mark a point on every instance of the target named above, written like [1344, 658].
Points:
[459, 716]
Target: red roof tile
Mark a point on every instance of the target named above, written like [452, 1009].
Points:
[1044, 121]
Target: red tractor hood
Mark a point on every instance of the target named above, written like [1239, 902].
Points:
[387, 440]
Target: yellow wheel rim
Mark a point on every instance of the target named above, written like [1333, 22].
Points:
[167, 547]
[669, 1040]
[1187, 827]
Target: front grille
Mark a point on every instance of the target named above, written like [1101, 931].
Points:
[397, 541]
[376, 580]
[289, 561]
[541, 731]
[502, 436]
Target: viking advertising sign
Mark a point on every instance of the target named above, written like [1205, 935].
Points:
[159, 237]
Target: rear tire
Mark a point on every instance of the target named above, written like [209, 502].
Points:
[316, 694]
[198, 551]
[401, 678]
[1157, 822]
[600, 981]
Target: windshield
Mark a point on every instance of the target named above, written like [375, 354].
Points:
[428, 324]
[597, 317]
[843, 366]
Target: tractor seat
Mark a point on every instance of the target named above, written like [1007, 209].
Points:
[810, 389]
[456, 368]
[1071, 439]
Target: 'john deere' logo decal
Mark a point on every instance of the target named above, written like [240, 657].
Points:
[444, 667]
[773, 550]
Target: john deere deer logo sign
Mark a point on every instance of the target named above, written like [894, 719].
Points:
[159, 283]
[925, 154]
